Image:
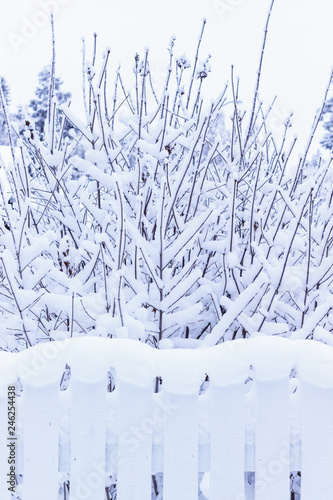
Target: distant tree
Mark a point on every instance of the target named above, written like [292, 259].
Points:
[327, 118]
[38, 106]
[6, 95]
[5, 90]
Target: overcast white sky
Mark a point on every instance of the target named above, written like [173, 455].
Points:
[297, 64]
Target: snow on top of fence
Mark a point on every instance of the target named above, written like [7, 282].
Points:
[182, 370]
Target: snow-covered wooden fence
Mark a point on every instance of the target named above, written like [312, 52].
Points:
[251, 415]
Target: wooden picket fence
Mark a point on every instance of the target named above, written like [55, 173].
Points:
[274, 367]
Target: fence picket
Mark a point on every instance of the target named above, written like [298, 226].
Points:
[180, 476]
[88, 434]
[317, 442]
[135, 424]
[41, 441]
[227, 442]
[272, 440]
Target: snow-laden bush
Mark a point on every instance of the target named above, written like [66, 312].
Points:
[163, 220]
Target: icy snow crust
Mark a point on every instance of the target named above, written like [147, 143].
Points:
[182, 370]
